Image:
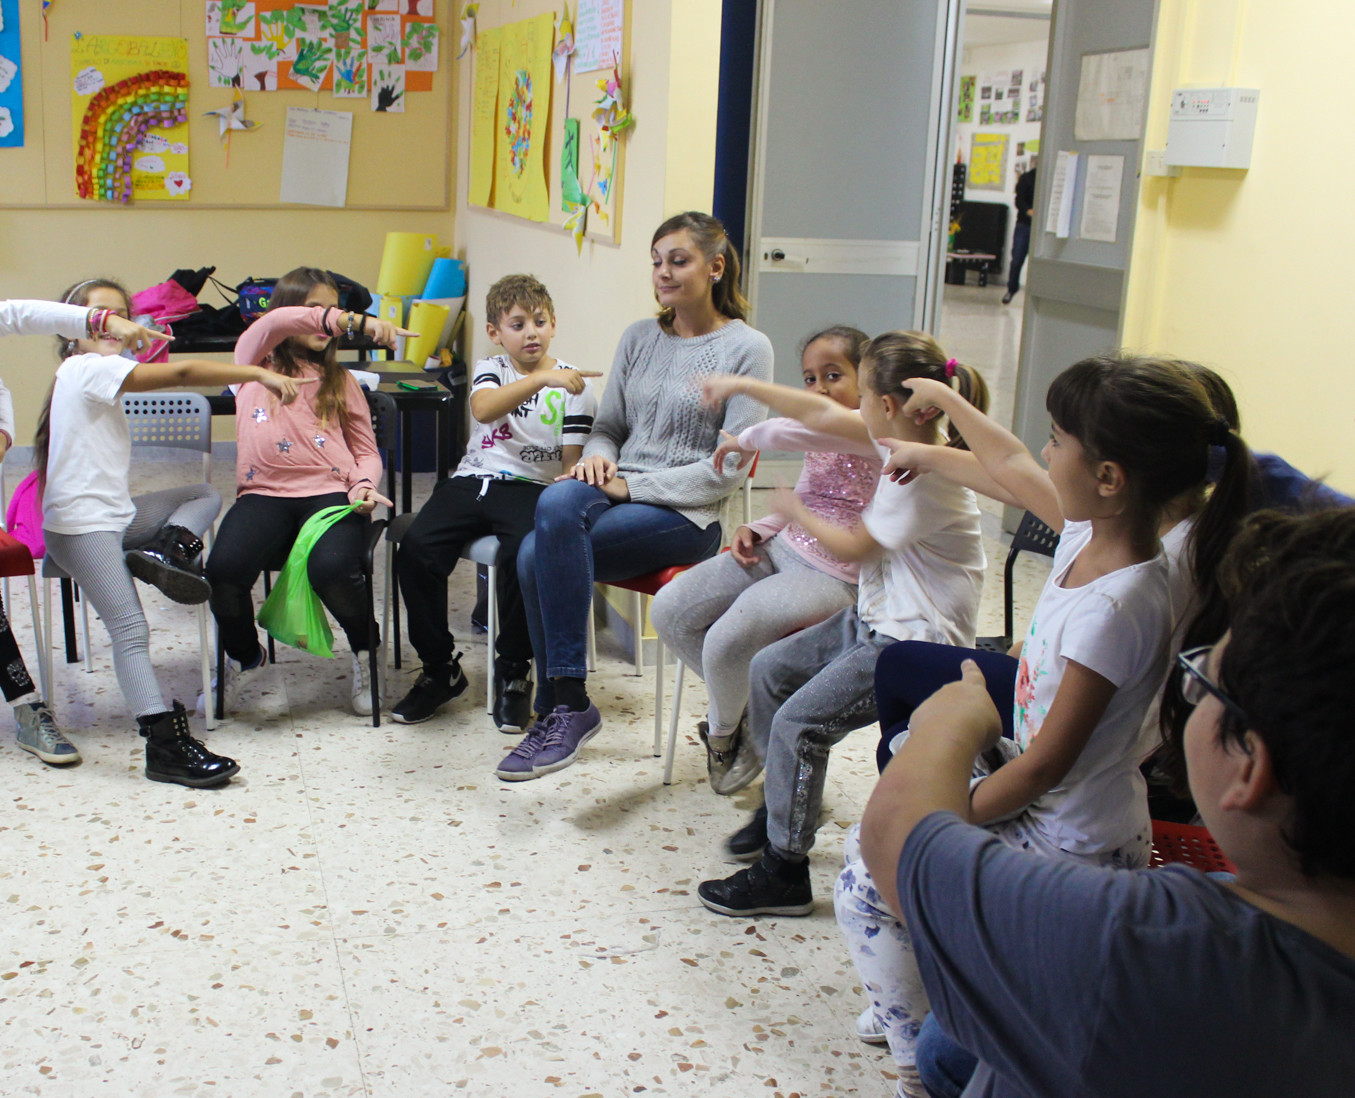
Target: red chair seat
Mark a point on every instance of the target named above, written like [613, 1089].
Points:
[1173, 842]
[15, 558]
[651, 583]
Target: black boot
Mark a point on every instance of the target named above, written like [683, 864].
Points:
[512, 696]
[747, 842]
[172, 755]
[170, 562]
[775, 884]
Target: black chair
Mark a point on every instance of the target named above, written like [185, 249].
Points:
[384, 424]
[1032, 536]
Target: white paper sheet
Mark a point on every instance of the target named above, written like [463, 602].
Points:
[1111, 93]
[1060, 218]
[315, 157]
[1101, 198]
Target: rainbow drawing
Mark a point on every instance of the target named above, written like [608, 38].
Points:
[114, 123]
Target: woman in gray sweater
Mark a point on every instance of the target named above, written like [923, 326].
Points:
[646, 494]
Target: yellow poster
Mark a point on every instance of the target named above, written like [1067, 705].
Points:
[987, 162]
[485, 99]
[522, 118]
[129, 115]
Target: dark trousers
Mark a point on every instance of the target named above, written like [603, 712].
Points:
[14, 680]
[1020, 249]
[910, 672]
[460, 510]
[257, 533]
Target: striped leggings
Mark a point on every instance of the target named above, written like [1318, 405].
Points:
[95, 561]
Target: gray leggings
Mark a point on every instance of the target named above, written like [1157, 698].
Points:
[720, 614]
[95, 562]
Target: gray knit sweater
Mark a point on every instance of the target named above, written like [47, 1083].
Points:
[651, 423]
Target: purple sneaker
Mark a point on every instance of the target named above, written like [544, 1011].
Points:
[517, 764]
[567, 730]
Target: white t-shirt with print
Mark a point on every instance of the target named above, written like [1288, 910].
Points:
[528, 443]
[927, 582]
[1119, 626]
[90, 450]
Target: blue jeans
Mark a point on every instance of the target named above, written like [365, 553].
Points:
[943, 1065]
[1020, 248]
[582, 536]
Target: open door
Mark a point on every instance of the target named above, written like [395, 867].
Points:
[849, 184]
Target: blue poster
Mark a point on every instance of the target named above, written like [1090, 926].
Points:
[11, 77]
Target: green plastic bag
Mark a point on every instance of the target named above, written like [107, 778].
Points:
[292, 613]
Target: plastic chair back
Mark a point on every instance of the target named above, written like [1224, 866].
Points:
[176, 419]
[1032, 536]
[1174, 842]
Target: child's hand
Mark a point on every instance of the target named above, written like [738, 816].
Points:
[568, 379]
[743, 546]
[132, 335]
[730, 445]
[367, 498]
[907, 462]
[285, 387]
[963, 710]
[384, 332]
[926, 401]
[596, 470]
[717, 388]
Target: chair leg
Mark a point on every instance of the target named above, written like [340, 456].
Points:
[372, 645]
[491, 637]
[220, 703]
[658, 699]
[592, 634]
[395, 606]
[637, 616]
[386, 593]
[41, 641]
[47, 632]
[208, 708]
[68, 619]
[267, 590]
[84, 631]
[673, 724]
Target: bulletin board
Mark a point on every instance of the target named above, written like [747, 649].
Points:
[601, 176]
[399, 161]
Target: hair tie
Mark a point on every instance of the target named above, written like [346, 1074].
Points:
[950, 367]
[1218, 432]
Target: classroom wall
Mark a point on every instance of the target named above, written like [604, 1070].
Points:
[1238, 269]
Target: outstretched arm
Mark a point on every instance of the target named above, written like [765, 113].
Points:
[814, 411]
[909, 460]
[146, 377]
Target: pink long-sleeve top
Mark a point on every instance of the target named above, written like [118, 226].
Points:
[284, 450]
[836, 483]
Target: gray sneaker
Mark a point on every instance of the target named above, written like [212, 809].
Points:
[731, 761]
[39, 734]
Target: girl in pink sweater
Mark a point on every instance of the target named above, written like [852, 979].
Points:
[777, 578]
[295, 460]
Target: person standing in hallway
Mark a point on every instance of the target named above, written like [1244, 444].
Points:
[1025, 209]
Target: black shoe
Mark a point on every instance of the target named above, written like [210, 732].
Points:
[747, 842]
[433, 689]
[1007, 298]
[172, 755]
[512, 703]
[772, 885]
[170, 562]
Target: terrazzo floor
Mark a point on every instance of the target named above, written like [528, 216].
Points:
[371, 912]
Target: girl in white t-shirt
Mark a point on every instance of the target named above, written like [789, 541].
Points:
[101, 537]
[921, 560]
[1129, 436]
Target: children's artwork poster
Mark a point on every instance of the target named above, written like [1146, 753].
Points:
[11, 77]
[966, 111]
[597, 34]
[339, 46]
[484, 115]
[987, 162]
[1035, 97]
[522, 117]
[129, 117]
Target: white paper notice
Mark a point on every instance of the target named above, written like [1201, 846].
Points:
[315, 157]
[597, 34]
[1060, 218]
[1101, 198]
[1111, 93]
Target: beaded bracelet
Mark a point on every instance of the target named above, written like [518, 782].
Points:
[96, 323]
[350, 326]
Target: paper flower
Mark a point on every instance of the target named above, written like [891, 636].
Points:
[564, 42]
[610, 112]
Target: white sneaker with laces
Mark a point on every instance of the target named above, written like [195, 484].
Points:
[868, 1027]
[234, 676]
[360, 684]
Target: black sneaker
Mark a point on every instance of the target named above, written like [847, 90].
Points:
[512, 704]
[747, 842]
[433, 689]
[772, 885]
[173, 755]
[170, 563]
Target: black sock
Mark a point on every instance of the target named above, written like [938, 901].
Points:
[571, 692]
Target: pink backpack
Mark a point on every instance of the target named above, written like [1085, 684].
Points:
[24, 518]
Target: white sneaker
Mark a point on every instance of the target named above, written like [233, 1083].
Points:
[235, 674]
[360, 684]
[868, 1027]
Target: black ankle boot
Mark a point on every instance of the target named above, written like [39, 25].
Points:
[173, 755]
[170, 562]
[775, 884]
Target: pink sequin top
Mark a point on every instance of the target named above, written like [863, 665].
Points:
[834, 486]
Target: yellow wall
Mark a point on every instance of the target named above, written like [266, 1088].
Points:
[1242, 270]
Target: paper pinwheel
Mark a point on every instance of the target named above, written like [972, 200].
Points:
[564, 42]
[467, 28]
[610, 113]
[232, 118]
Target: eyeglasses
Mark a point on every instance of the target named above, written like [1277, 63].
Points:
[1196, 684]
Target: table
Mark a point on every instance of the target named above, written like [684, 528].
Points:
[957, 263]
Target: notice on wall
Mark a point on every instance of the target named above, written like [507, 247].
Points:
[1101, 198]
[1060, 218]
[11, 77]
[987, 162]
[597, 34]
[315, 157]
[1111, 93]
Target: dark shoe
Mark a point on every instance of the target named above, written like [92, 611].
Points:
[512, 703]
[770, 886]
[731, 761]
[172, 755]
[1007, 298]
[170, 563]
[567, 730]
[747, 842]
[433, 689]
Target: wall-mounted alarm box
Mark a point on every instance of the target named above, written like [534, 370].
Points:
[1211, 127]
